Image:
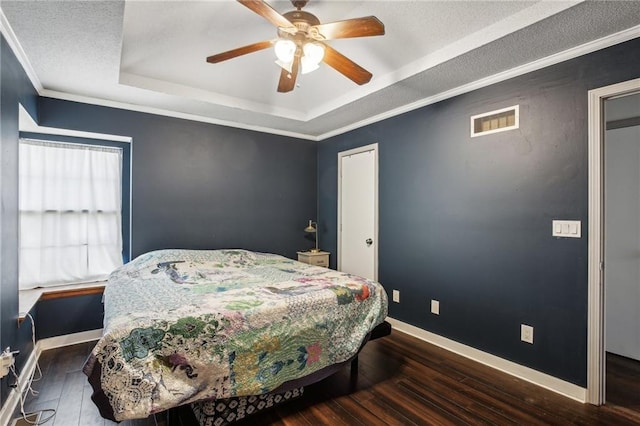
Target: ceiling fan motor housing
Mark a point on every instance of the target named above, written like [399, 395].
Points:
[301, 20]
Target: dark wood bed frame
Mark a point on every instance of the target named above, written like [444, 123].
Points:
[379, 331]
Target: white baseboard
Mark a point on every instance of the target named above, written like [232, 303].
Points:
[525, 373]
[13, 399]
[69, 339]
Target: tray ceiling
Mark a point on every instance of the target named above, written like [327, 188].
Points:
[150, 55]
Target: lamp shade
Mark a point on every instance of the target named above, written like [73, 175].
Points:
[308, 65]
[313, 51]
[285, 49]
[313, 54]
[313, 228]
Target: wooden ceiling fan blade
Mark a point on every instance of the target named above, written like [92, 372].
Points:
[268, 13]
[287, 80]
[357, 27]
[234, 53]
[345, 66]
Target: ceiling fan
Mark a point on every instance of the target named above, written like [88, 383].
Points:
[300, 45]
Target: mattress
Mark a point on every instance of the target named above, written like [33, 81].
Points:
[189, 325]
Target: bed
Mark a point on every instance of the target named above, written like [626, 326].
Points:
[189, 325]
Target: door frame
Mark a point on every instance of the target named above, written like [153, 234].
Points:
[596, 359]
[372, 147]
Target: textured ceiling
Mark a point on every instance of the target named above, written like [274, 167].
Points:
[150, 55]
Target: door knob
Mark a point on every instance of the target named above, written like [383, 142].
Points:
[369, 241]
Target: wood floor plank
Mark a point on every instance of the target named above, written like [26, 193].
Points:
[447, 404]
[509, 406]
[52, 384]
[334, 414]
[435, 399]
[386, 413]
[89, 414]
[69, 407]
[366, 417]
[623, 387]
[623, 381]
[409, 406]
[340, 385]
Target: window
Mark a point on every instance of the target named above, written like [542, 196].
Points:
[71, 211]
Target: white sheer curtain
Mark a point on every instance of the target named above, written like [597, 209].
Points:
[70, 212]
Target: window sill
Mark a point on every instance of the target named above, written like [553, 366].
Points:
[29, 298]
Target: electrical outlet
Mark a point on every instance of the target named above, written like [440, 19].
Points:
[396, 296]
[6, 361]
[435, 307]
[526, 333]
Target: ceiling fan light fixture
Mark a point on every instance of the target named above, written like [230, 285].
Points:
[307, 65]
[300, 45]
[313, 51]
[285, 50]
[313, 54]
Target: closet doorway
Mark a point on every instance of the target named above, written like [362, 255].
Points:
[622, 251]
[614, 234]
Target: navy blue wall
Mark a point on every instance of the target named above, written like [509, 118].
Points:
[203, 186]
[15, 88]
[81, 313]
[467, 221]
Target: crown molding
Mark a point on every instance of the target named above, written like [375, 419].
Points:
[168, 113]
[583, 49]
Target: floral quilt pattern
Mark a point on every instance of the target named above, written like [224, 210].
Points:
[186, 325]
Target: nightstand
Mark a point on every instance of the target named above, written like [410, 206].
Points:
[319, 258]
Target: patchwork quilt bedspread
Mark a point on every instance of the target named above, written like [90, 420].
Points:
[187, 325]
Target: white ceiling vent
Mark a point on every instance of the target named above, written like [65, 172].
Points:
[495, 121]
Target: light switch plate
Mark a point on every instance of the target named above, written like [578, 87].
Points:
[396, 296]
[566, 228]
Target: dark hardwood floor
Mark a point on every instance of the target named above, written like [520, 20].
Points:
[401, 381]
[623, 385]
[64, 388]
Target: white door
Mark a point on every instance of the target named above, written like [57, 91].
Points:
[358, 211]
